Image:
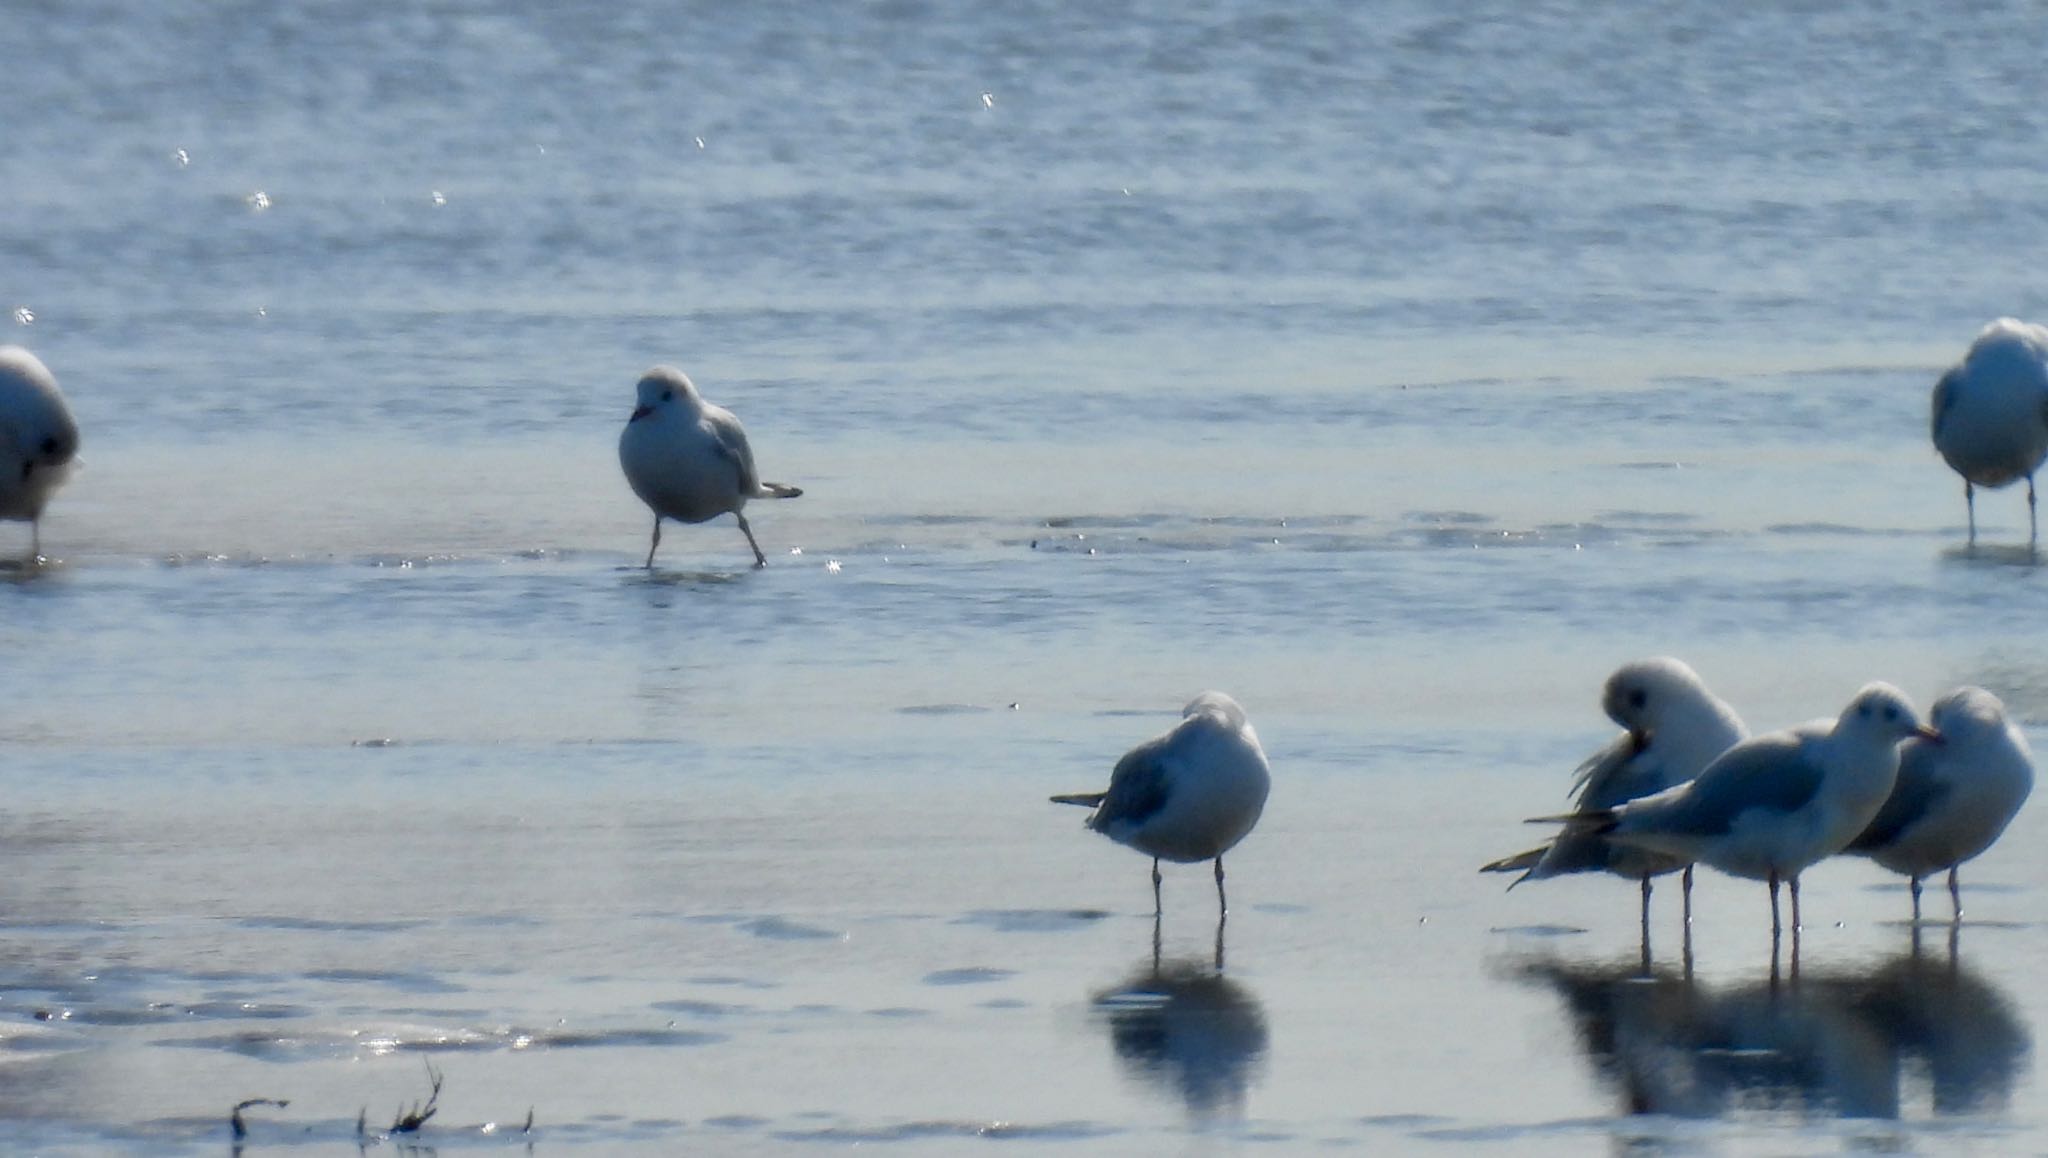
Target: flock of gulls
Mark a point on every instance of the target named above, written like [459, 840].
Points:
[1683, 784]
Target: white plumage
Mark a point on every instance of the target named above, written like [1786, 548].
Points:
[1773, 805]
[1673, 728]
[689, 460]
[1953, 798]
[1990, 413]
[38, 440]
[1189, 794]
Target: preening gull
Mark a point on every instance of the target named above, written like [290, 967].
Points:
[1952, 799]
[1991, 413]
[1674, 728]
[688, 460]
[1188, 795]
[38, 439]
[1777, 803]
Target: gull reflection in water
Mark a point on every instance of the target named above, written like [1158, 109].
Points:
[1183, 1026]
[1907, 1036]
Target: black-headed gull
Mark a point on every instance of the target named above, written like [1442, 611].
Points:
[1775, 804]
[1954, 798]
[1188, 795]
[38, 440]
[688, 460]
[1991, 413]
[1674, 727]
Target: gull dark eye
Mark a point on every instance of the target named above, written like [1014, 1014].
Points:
[667, 394]
[1891, 713]
[49, 446]
[1863, 711]
[1637, 698]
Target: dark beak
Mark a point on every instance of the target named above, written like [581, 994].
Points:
[640, 412]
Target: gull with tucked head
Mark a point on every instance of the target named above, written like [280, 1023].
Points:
[1188, 795]
[38, 440]
[688, 460]
[1954, 798]
[1991, 413]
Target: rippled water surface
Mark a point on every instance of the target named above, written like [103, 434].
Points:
[1399, 372]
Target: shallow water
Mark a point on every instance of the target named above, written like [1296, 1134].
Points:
[1399, 374]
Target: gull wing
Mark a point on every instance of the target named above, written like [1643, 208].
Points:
[1774, 773]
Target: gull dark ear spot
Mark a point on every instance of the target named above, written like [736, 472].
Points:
[666, 395]
[1891, 713]
[1863, 710]
[1638, 698]
[50, 446]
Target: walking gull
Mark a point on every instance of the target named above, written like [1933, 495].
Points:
[38, 439]
[688, 460]
[1953, 798]
[1674, 728]
[1188, 795]
[1991, 413]
[1777, 803]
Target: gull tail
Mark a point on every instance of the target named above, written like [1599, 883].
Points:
[771, 490]
[1522, 862]
[1591, 820]
[1084, 799]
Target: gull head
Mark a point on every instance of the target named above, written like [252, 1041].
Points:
[1966, 714]
[1882, 712]
[1639, 695]
[1219, 706]
[661, 386]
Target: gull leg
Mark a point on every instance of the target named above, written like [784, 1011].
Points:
[1970, 505]
[1157, 908]
[1774, 907]
[1685, 887]
[656, 544]
[1646, 923]
[35, 540]
[1913, 886]
[760, 560]
[1222, 906]
[1795, 914]
[1955, 896]
[2033, 532]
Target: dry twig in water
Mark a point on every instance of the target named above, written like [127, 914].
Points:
[240, 1127]
[410, 1121]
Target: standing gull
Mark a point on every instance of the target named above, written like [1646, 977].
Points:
[1188, 795]
[1991, 413]
[688, 460]
[1674, 728]
[1777, 803]
[1953, 798]
[38, 439]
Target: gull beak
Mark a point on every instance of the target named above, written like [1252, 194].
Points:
[640, 412]
[1638, 739]
[1929, 734]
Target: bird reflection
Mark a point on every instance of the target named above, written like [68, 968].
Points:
[1862, 1043]
[1183, 1026]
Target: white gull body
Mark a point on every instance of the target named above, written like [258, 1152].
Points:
[1673, 728]
[1952, 799]
[688, 460]
[1775, 804]
[38, 440]
[1990, 413]
[1188, 795]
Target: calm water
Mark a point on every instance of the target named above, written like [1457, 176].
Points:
[1399, 374]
